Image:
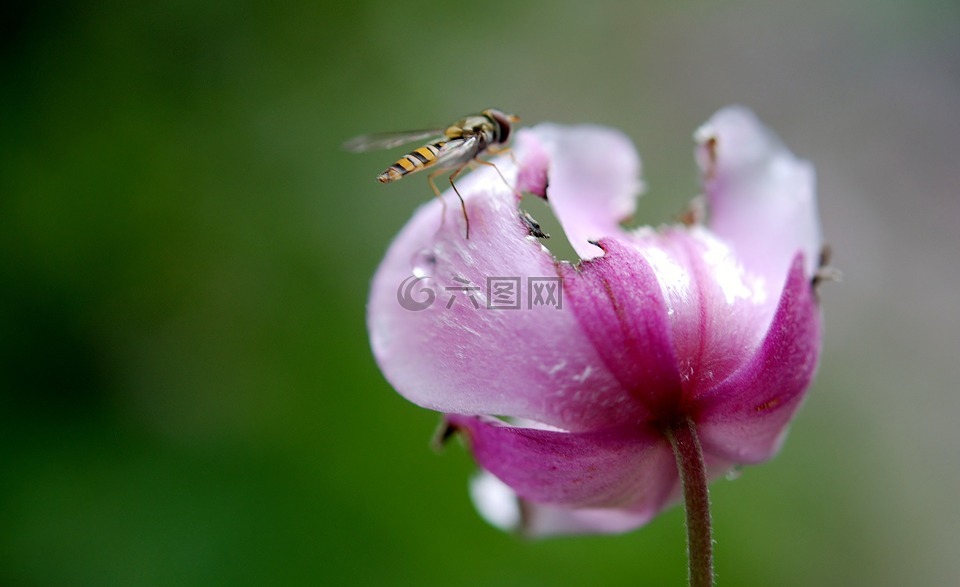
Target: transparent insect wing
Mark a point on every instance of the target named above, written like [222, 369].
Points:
[456, 152]
[389, 140]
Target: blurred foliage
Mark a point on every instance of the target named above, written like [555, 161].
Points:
[186, 391]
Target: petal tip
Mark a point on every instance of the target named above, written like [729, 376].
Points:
[495, 501]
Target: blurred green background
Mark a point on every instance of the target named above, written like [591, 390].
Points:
[187, 395]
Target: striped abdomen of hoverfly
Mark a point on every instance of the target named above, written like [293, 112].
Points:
[416, 160]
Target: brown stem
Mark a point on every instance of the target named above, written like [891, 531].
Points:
[693, 477]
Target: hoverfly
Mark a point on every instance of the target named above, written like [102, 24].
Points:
[455, 147]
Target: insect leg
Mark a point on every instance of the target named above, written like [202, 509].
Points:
[507, 183]
[498, 150]
[436, 192]
[463, 204]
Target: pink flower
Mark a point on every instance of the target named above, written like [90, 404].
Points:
[565, 408]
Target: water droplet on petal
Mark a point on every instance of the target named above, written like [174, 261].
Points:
[734, 473]
[424, 263]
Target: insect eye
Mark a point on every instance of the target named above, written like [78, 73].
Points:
[504, 131]
[503, 124]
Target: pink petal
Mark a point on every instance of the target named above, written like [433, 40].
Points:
[546, 520]
[618, 301]
[592, 179]
[530, 362]
[629, 467]
[718, 312]
[744, 418]
[762, 198]
[501, 506]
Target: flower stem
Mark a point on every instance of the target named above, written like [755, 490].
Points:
[693, 477]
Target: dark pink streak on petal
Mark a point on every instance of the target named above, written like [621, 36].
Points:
[743, 419]
[619, 304]
[611, 468]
